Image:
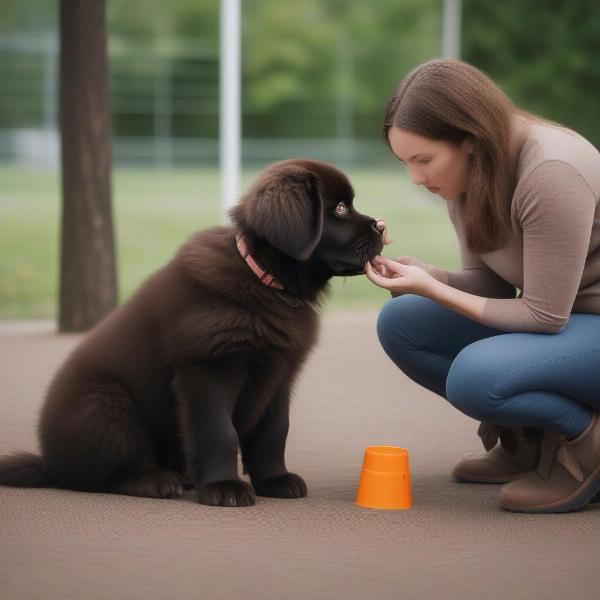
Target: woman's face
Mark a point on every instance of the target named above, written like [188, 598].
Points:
[443, 168]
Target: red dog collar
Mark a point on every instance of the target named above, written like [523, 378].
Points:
[265, 277]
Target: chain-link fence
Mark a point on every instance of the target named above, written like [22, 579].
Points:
[164, 103]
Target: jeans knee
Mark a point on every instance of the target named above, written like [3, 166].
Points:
[470, 384]
[385, 322]
[392, 322]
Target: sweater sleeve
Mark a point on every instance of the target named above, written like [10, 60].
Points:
[555, 209]
[475, 277]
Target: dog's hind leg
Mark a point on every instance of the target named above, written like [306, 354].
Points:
[97, 443]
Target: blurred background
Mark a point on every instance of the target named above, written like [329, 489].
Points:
[316, 76]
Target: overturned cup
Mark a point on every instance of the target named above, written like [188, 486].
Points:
[384, 479]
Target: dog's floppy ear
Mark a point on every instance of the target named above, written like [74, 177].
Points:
[286, 209]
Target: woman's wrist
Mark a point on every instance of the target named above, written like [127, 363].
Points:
[463, 303]
[435, 290]
[439, 274]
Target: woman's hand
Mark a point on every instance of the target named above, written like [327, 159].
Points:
[411, 260]
[439, 274]
[401, 277]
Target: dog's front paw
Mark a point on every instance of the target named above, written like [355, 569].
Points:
[289, 485]
[232, 492]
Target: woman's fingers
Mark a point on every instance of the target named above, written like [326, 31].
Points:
[375, 277]
[381, 269]
[384, 271]
[391, 265]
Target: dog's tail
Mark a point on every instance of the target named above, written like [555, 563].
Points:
[24, 469]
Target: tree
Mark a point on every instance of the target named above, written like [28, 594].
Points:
[543, 54]
[88, 289]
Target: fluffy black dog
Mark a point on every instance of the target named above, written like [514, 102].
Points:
[200, 361]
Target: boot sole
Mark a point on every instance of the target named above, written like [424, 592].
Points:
[466, 479]
[588, 493]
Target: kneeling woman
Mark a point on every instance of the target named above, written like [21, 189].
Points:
[512, 339]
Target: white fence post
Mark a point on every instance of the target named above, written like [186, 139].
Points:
[451, 35]
[229, 103]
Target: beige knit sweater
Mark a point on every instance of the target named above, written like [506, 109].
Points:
[553, 254]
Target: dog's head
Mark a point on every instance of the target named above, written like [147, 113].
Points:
[305, 209]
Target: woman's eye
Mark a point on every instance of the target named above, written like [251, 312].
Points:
[424, 162]
[341, 208]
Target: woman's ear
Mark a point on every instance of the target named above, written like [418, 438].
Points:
[469, 144]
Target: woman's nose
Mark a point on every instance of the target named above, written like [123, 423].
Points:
[418, 178]
[417, 175]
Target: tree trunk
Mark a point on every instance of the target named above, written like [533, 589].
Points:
[88, 289]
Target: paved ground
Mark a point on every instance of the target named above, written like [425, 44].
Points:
[454, 543]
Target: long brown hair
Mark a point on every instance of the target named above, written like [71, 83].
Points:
[450, 100]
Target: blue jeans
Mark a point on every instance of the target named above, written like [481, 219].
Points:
[548, 381]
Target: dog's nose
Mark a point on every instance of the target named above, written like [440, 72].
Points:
[378, 225]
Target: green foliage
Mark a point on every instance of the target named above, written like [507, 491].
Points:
[28, 15]
[322, 67]
[315, 68]
[543, 54]
[326, 68]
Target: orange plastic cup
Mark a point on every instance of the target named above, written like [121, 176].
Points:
[384, 479]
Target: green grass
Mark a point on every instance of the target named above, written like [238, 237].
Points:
[155, 211]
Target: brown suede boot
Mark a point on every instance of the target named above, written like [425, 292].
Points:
[517, 453]
[567, 478]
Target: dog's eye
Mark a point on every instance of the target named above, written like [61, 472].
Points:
[341, 209]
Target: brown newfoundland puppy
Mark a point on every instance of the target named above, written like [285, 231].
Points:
[200, 361]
